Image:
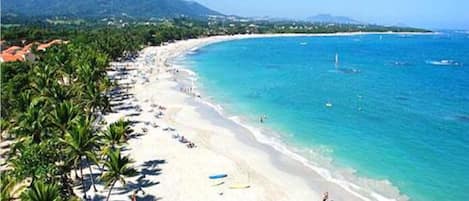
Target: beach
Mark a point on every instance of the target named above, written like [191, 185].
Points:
[234, 101]
[164, 106]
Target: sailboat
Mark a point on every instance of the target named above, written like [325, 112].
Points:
[344, 70]
[336, 60]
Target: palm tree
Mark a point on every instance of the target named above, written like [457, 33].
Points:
[43, 77]
[81, 143]
[94, 100]
[4, 126]
[10, 187]
[64, 114]
[41, 191]
[63, 58]
[60, 93]
[112, 137]
[118, 168]
[22, 102]
[33, 122]
[125, 126]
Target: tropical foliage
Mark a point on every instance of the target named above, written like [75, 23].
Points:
[41, 191]
[50, 108]
[118, 167]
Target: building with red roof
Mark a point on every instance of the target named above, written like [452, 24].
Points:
[16, 53]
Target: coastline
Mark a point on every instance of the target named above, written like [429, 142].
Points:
[224, 145]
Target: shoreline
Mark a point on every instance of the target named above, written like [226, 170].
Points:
[224, 144]
[223, 38]
[276, 146]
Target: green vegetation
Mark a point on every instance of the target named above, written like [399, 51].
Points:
[118, 168]
[49, 109]
[41, 191]
[154, 32]
[100, 8]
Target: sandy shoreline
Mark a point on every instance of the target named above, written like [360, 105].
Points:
[174, 172]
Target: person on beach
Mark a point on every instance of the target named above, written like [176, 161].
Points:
[325, 197]
[183, 139]
[191, 145]
[134, 196]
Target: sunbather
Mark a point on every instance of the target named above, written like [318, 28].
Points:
[191, 145]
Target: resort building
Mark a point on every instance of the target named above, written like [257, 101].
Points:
[17, 53]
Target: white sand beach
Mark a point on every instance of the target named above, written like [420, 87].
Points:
[169, 170]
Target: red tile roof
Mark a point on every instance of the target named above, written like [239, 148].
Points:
[47, 45]
[12, 49]
[7, 57]
[16, 53]
[28, 47]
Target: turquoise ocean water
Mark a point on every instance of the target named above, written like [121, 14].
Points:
[399, 103]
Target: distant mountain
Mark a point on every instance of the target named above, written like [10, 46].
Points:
[106, 8]
[326, 18]
[400, 25]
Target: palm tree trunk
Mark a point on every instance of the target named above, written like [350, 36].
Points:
[102, 167]
[36, 137]
[91, 175]
[76, 173]
[83, 182]
[109, 193]
[90, 114]
[32, 181]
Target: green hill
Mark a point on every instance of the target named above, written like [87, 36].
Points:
[106, 8]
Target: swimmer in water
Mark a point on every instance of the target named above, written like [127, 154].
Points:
[262, 118]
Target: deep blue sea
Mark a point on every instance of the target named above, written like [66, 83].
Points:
[390, 107]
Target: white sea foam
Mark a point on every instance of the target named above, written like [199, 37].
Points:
[192, 74]
[327, 174]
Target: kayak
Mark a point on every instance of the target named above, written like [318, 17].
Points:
[218, 176]
[240, 186]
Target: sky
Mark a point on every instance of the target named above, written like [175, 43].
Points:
[432, 14]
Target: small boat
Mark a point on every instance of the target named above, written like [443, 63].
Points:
[303, 43]
[328, 104]
[218, 184]
[240, 186]
[217, 176]
[444, 62]
[336, 60]
[344, 70]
